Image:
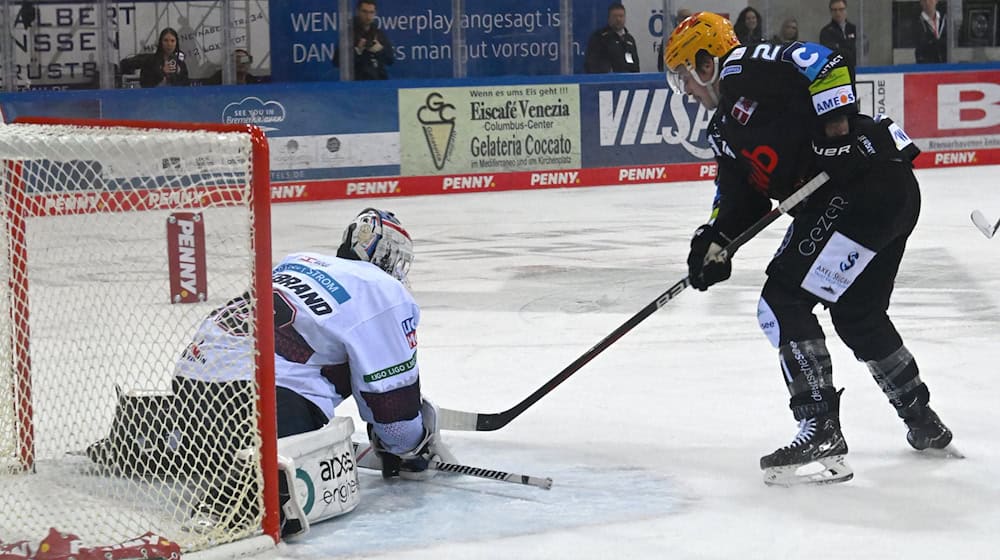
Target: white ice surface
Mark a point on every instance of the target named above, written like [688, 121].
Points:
[654, 445]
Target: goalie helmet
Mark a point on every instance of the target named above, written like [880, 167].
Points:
[703, 31]
[376, 236]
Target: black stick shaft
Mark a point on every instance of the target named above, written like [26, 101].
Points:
[484, 422]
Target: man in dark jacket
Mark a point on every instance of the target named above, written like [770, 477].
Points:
[932, 44]
[612, 48]
[840, 34]
[372, 49]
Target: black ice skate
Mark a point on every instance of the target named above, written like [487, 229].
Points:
[927, 433]
[815, 456]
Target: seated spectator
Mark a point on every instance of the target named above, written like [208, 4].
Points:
[166, 67]
[243, 60]
[612, 48]
[748, 27]
[789, 32]
[932, 45]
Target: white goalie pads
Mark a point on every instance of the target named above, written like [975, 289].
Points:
[320, 471]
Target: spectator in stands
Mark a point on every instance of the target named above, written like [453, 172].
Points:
[841, 34]
[932, 46]
[166, 67]
[372, 48]
[748, 27]
[612, 48]
[789, 31]
[682, 14]
[243, 59]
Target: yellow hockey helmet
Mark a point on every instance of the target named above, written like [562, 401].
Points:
[703, 31]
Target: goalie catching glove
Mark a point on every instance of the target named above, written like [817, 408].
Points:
[706, 264]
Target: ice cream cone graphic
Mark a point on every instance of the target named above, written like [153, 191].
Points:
[439, 128]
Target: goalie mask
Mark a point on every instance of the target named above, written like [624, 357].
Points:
[377, 236]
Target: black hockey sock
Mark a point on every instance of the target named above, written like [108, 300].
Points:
[807, 364]
[899, 378]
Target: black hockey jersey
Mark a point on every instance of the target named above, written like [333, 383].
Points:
[774, 100]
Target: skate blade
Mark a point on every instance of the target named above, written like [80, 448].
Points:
[949, 452]
[828, 470]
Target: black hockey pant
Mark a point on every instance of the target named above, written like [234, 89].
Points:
[843, 250]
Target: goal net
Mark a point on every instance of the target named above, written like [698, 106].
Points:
[118, 240]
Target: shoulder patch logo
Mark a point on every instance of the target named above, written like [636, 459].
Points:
[737, 54]
[410, 332]
[743, 109]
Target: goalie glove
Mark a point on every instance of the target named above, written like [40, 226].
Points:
[413, 465]
[416, 464]
[705, 264]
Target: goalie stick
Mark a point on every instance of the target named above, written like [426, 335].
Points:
[449, 419]
[366, 459]
[986, 226]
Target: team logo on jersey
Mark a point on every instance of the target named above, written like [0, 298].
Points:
[743, 109]
[762, 160]
[410, 331]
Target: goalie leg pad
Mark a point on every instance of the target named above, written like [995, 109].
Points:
[319, 469]
[143, 438]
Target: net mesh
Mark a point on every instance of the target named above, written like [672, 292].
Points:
[89, 336]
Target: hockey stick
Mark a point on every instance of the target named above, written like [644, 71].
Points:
[988, 228]
[538, 482]
[449, 419]
[367, 459]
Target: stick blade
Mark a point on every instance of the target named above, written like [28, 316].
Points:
[984, 225]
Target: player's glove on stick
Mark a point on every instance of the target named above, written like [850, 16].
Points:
[705, 264]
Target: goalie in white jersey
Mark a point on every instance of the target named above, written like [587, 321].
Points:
[344, 326]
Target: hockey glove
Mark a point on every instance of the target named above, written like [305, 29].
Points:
[846, 157]
[705, 265]
[412, 465]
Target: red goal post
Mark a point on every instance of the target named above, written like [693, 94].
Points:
[86, 313]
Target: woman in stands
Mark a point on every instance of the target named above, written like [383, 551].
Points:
[166, 67]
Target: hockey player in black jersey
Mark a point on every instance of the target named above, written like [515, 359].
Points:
[782, 114]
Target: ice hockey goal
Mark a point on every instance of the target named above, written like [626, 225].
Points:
[118, 239]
